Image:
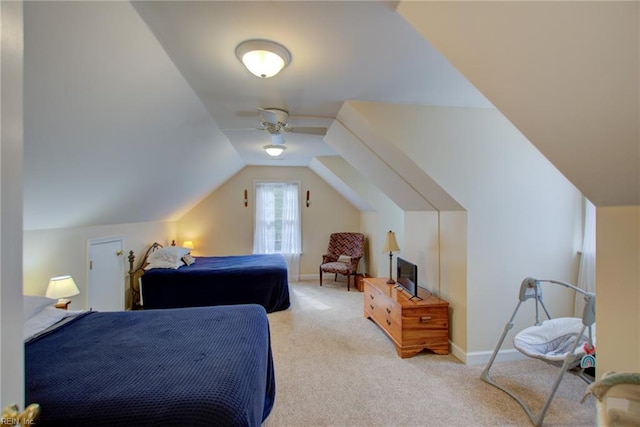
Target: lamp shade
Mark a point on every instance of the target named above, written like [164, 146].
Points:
[274, 150]
[263, 58]
[187, 244]
[390, 244]
[62, 287]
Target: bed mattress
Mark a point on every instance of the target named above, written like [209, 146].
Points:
[196, 367]
[225, 280]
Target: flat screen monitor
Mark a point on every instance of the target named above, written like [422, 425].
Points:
[407, 276]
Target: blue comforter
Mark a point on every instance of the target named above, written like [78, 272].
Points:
[193, 367]
[223, 280]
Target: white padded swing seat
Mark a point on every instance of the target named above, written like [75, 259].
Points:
[553, 339]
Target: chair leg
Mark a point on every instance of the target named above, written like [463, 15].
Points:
[348, 282]
[320, 277]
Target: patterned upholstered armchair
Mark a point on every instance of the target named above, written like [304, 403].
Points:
[343, 255]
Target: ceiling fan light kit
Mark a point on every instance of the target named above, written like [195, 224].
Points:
[263, 58]
[274, 150]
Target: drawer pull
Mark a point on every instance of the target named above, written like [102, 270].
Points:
[372, 307]
[388, 311]
[388, 322]
[370, 296]
[425, 319]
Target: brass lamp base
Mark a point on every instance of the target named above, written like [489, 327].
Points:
[390, 281]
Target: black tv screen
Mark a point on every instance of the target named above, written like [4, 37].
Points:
[407, 276]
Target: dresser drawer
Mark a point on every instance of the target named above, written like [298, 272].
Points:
[426, 318]
[373, 297]
[387, 323]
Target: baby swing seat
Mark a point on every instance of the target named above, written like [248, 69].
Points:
[562, 341]
[552, 340]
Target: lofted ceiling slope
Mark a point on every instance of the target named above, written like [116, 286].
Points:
[566, 74]
[113, 133]
[403, 171]
[343, 178]
[129, 105]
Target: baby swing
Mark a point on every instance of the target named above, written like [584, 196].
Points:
[565, 341]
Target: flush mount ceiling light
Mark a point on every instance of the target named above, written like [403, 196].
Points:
[263, 58]
[274, 150]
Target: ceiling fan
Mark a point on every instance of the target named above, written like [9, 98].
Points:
[276, 122]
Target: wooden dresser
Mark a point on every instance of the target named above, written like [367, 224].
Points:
[412, 325]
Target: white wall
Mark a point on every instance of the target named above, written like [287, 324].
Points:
[421, 245]
[523, 216]
[11, 149]
[56, 252]
[618, 288]
[453, 276]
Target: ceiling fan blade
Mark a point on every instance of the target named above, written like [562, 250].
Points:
[241, 129]
[309, 130]
[247, 114]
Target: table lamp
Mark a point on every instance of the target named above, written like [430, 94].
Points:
[391, 245]
[187, 244]
[61, 288]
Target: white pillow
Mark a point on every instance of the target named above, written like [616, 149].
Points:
[164, 264]
[33, 304]
[171, 254]
[170, 257]
[344, 258]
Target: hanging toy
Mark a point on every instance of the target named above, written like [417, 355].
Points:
[589, 349]
[588, 361]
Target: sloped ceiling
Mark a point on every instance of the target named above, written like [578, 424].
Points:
[113, 133]
[128, 105]
[566, 74]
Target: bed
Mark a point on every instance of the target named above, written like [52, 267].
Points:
[197, 366]
[208, 281]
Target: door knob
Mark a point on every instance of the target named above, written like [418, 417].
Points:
[119, 252]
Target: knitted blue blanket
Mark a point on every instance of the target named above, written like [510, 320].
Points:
[193, 366]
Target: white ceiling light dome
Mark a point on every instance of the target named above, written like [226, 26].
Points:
[274, 150]
[263, 58]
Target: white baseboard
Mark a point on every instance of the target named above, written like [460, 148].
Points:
[458, 353]
[309, 277]
[482, 357]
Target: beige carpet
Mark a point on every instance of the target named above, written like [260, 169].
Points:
[336, 368]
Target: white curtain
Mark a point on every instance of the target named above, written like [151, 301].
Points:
[277, 223]
[587, 268]
[265, 222]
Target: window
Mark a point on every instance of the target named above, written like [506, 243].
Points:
[277, 221]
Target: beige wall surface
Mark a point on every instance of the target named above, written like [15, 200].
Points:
[57, 252]
[222, 225]
[523, 216]
[618, 288]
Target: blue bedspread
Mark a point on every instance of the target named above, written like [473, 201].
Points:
[193, 367]
[240, 279]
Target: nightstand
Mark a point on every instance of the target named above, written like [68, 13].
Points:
[63, 305]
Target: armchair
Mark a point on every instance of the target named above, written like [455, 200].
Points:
[343, 255]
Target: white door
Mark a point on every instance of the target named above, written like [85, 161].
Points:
[106, 274]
